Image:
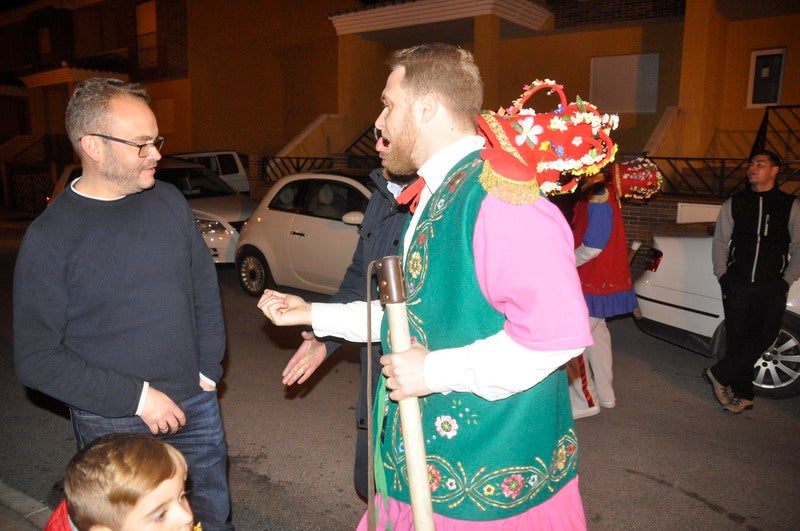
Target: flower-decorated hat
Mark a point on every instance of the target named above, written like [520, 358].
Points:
[572, 139]
[639, 178]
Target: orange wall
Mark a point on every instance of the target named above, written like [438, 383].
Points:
[566, 57]
[260, 74]
[714, 119]
[172, 105]
[746, 37]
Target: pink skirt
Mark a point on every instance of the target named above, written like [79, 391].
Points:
[562, 512]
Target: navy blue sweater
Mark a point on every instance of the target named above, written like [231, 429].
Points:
[109, 294]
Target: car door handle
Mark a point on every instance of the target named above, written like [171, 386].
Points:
[295, 233]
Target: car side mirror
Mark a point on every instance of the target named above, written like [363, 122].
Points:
[353, 218]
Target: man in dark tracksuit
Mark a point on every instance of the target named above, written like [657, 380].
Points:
[379, 236]
[755, 258]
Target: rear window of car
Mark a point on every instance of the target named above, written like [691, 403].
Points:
[227, 164]
[195, 182]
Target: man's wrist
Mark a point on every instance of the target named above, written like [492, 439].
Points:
[142, 398]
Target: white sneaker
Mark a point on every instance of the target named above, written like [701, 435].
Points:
[607, 404]
[588, 412]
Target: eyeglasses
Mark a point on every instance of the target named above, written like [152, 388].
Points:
[144, 149]
[377, 133]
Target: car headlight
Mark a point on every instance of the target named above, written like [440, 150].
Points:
[210, 226]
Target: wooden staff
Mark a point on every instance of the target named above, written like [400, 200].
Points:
[393, 296]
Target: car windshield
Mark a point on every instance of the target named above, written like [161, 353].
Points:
[195, 182]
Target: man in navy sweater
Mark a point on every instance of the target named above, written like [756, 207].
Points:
[116, 302]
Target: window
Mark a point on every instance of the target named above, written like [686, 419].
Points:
[227, 164]
[766, 77]
[146, 33]
[290, 198]
[625, 83]
[45, 48]
[332, 199]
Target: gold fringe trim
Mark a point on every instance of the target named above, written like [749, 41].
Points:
[500, 135]
[507, 190]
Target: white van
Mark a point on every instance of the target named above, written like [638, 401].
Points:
[226, 163]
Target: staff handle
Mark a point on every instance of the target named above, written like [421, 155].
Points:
[390, 281]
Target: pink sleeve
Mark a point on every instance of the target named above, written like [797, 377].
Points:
[525, 264]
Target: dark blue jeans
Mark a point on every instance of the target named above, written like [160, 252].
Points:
[202, 443]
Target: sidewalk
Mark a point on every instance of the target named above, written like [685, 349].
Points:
[19, 512]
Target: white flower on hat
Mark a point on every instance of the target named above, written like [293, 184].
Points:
[529, 133]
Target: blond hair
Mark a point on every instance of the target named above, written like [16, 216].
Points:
[449, 72]
[106, 479]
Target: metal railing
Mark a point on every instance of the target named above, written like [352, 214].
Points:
[780, 131]
[273, 168]
[360, 154]
[716, 177]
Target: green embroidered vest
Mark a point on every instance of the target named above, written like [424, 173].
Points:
[487, 460]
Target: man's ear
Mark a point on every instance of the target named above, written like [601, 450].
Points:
[91, 145]
[427, 107]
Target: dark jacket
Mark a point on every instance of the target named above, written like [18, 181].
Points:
[379, 236]
[760, 239]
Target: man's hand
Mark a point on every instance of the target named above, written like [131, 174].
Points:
[305, 361]
[161, 414]
[404, 372]
[285, 310]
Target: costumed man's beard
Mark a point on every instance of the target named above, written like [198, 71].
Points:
[399, 160]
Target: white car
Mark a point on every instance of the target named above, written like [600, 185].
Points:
[680, 301]
[227, 164]
[219, 211]
[303, 233]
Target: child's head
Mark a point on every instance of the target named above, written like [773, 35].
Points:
[126, 482]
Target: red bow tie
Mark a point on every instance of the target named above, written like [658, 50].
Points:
[410, 194]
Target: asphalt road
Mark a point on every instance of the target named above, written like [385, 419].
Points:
[667, 457]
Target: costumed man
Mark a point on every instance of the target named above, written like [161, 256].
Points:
[494, 303]
[603, 266]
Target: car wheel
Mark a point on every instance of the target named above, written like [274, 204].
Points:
[776, 373]
[254, 274]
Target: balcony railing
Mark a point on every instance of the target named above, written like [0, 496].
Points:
[716, 177]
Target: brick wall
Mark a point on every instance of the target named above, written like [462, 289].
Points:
[641, 219]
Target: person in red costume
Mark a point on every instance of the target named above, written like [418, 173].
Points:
[602, 259]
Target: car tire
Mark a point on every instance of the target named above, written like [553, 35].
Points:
[777, 371]
[254, 273]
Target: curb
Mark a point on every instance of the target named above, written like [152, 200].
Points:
[26, 507]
